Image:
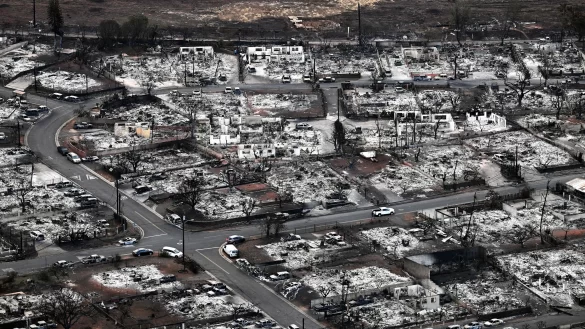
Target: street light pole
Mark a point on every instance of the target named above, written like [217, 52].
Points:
[183, 229]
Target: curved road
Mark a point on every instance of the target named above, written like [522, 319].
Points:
[202, 246]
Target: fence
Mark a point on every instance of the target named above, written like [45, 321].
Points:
[550, 169]
[504, 314]
[164, 143]
[356, 294]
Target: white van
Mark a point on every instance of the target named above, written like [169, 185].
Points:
[231, 250]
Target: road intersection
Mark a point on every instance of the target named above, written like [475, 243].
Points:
[201, 246]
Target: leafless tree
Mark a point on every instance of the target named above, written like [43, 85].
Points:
[134, 158]
[248, 207]
[338, 136]
[379, 132]
[547, 65]
[324, 291]
[508, 18]
[556, 99]
[65, 307]
[576, 104]
[521, 234]
[191, 190]
[460, 18]
[265, 225]
[522, 86]
[22, 188]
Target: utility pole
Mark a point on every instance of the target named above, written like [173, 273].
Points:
[18, 132]
[35, 73]
[34, 13]
[183, 229]
[360, 24]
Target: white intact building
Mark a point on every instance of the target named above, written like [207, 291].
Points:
[203, 51]
[444, 121]
[276, 54]
[421, 53]
[254, 151]
[484, 118]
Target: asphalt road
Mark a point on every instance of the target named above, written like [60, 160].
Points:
[202, 246]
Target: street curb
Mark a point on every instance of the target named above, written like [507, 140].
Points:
[59, 131]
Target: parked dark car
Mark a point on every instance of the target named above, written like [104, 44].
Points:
[168, 278]
[63, 185]
[82, 125]
[90, 158]
[142, 252]
[158, 176]
[63, 150]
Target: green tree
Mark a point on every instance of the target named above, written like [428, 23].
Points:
[135, 28]
[108, 31]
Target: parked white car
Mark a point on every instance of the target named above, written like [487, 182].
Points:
[73, 157]
[2, 136]
[382, 211]
[493, 322]
[172, 252]
[127, 241]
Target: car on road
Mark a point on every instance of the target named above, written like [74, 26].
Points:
[2, 136]
[56, 95]
[473, 325]
[493, 322]
[307, 78]
[82, 125]
[172, 252]
[142, 252]
[228, 90]
[73, 157]
[74, 99]
[93, 259]
[62, 150]
[127, 241]
[382, 211]
[25, 118]
[399, 89]
[197, 92]
[91, 158]
[303, 125]
[327, 79]
[235, 239]
[63, 264]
